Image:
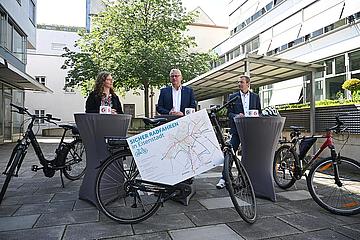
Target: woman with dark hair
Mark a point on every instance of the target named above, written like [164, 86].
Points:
[103, 95]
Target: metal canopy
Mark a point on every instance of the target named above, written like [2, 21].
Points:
[263, 70]
[14, 77]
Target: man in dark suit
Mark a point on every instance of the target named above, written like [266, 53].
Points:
[175, 98]
[246, 101]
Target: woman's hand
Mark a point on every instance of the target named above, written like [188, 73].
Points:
[113, 111]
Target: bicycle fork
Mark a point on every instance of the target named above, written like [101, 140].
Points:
[23, 153]
[335, 160]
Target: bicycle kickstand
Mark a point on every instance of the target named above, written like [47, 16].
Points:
[62, 180]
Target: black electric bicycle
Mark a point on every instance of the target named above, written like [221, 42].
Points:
[124, 197]
[70, 158]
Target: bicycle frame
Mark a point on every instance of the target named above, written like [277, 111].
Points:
[328, 143]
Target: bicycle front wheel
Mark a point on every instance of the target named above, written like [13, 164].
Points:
[284, 166]
[340, 196]
[14, 160]
[75, 160]
[240, 188]
[118, 196]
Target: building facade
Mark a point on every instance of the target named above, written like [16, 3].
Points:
[316, 31]
[44, 64]
[17, 34]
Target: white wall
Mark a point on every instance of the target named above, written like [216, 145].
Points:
[46, 61]
[206, 36]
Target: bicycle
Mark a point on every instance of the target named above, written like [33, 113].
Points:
[125, 198]
[333, 182]
[69, 157]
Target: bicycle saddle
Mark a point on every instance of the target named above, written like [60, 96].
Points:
[154, 121]
[296, 128]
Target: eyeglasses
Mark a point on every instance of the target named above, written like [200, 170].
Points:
[174, 76]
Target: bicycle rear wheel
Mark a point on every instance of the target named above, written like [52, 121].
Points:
[75, 160]
[240, 188]
[342, 197]
[284, 166]
[14, 159]
[119, 196]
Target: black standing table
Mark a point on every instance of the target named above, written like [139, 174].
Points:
[93, 127]
[259, 137]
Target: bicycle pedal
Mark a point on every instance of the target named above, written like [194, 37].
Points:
[35, 168]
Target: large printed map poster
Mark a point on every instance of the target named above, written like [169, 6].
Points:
[178, 150]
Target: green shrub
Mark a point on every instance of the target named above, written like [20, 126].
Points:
[352, 85]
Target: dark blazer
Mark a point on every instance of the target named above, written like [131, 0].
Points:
[237, 108]
[93, 103]
[165, 102]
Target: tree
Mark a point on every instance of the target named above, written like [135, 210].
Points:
[138, 41]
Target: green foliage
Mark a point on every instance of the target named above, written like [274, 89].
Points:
[322, 103]
[138, 41]
[351, 85]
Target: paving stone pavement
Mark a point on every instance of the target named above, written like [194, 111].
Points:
[36, 207]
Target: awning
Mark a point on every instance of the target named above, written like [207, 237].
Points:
[285, 37]
[16, 78]
[322, 19]
[285, 95]
[263, 70]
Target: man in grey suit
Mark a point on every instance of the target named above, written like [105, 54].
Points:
[247, 101]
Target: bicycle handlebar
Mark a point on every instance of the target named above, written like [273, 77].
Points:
[217, 109]
[22, 110]
[339, 123]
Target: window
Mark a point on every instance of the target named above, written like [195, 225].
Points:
[285, 46]
[354, 59]
[333, 86]
[18, 45]
[329, 28]
[277, 2]
[40, 113]
[32, 11]
[41, 79]
[299, 40]
[269, 6]
[251, 46]
[329, 66]
[15, 41]
[319, 90]
[340, 64]
[1, 111]
[317, 33]
[2, 30]
[319, 74]
[8, 41]
[129, 109]
[356, 75]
